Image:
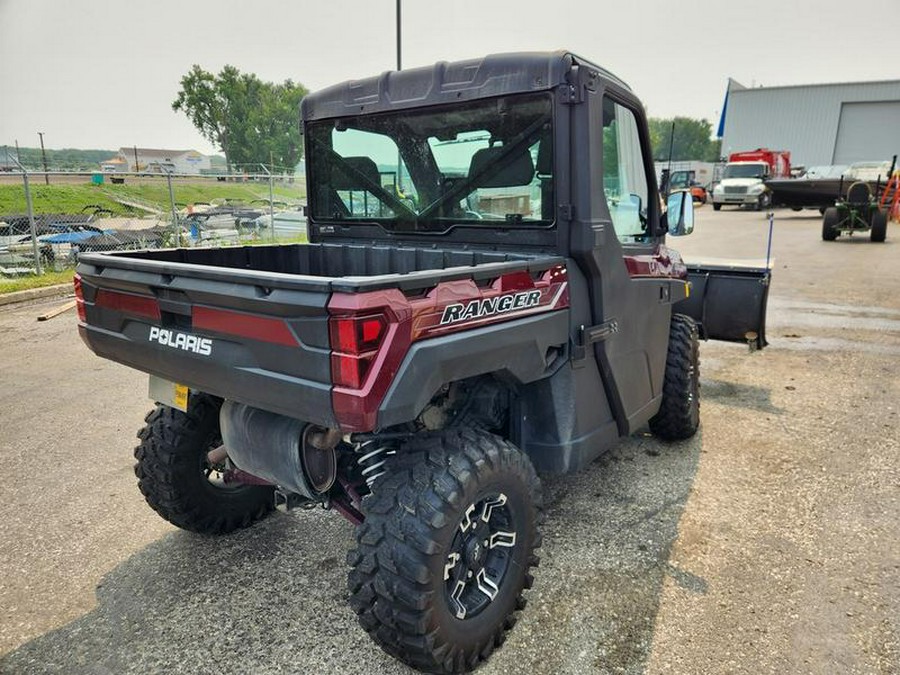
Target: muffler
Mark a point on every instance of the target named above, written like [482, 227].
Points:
[297, 456]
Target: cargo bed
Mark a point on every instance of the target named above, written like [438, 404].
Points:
[346, 268]
[252, 323]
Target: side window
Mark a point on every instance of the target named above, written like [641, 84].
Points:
[624, 178]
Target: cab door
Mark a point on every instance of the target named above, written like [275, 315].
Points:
[616, 223]
[638, 298]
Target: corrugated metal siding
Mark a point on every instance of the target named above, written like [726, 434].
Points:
[802, 119]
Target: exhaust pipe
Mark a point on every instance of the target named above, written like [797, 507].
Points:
[296, 456]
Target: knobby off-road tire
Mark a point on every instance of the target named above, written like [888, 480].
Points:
[174, 475]
[878, 233]
[829, 224]
[679, 415]
[409, 587]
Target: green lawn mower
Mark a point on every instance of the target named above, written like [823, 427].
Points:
[858, 212]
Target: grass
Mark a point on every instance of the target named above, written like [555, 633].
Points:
[46, 279]
[73, 197]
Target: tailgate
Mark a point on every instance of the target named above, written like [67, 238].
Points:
[231, 334]
[728, 300]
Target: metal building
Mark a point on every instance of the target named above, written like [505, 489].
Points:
[819, 123]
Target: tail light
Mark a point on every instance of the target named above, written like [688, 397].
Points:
[79, 299]
[354, 343]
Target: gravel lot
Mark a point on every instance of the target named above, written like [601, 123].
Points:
[766, 544]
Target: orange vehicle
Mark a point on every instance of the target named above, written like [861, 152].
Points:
[686, 180]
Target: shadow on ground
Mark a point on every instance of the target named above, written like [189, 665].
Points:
[740, 395]
[272, 599]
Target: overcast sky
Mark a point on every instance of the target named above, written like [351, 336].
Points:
[103, 73]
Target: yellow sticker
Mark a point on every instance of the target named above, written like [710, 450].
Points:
[687, 289]
[181, 397]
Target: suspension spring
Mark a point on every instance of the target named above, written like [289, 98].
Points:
[373, 454]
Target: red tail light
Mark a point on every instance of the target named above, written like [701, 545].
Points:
[79, 299]
[354, 341]
[356, 334]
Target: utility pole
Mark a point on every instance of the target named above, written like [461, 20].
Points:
[399, 67]
[137, 167]
[399, 61]
[18, 159]
[44, 155]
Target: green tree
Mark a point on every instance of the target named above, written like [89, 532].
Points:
[249, 120]
[693, 140]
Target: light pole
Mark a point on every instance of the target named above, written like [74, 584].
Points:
[44, 154]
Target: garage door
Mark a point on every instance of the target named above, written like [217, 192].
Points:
[868, 131]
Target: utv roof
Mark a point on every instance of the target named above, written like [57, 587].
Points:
[492, 75]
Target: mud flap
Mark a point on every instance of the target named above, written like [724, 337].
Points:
[728, 301]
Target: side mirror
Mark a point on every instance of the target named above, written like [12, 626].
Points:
[680, 214]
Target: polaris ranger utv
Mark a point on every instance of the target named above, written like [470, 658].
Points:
[486, 294]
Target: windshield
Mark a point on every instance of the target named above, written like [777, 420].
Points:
[484, 163]
[681, 179]
[745, 171]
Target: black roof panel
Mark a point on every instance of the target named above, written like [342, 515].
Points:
[493, 75]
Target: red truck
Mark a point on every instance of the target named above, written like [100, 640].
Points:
[779, 161]
[743, 184]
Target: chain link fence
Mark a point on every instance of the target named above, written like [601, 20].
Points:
[48, 219]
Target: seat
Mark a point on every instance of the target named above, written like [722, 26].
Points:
[513, 170]
[859, 194]
[355, 173]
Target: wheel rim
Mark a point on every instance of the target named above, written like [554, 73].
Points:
[479, 558]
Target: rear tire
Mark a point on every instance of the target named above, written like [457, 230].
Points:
[412, 583]
[717, 207]
[174, 475]
[678, 417]
[829, 224]
[878, 233]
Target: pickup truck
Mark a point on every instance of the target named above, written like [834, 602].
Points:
[486, 294]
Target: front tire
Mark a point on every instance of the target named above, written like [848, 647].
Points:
[830, 221]
[446, 549]
[678, 417]
[176, 479]
[878, 233]
[717, 207]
